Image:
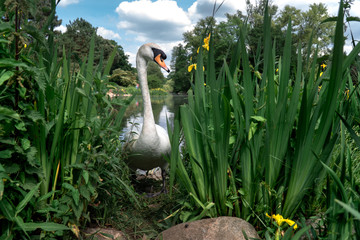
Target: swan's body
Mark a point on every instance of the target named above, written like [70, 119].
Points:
[148, 149]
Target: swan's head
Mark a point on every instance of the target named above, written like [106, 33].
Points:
[153, 52]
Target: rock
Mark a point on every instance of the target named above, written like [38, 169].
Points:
[224, 228]
[104, 234]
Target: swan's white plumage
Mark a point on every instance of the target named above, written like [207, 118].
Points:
[147, 149]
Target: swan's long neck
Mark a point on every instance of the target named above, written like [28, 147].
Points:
[149, 122]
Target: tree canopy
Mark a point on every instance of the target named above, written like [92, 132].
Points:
[305, 24]
[76, 41]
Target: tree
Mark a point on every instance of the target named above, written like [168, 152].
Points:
[76, 41]
[311, 23]
[123, 78]
[42, 12]
[179, 65]
[155, 77]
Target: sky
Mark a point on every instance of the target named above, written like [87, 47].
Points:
[135, 22]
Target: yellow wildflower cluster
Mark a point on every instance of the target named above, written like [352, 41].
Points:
[206, 46]
[279, 220]
[158, 89]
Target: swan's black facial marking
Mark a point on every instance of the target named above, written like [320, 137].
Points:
[157, 51]
[159, 57]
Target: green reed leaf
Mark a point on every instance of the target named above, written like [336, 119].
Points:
[26, 199]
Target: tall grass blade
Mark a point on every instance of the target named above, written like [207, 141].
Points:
[349, 209]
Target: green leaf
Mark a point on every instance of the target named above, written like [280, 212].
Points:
[85, 192]
[74, 192]
[81, 91]
[20, 223]
[26, 199]
[85, 175]
[20, 126]
[300, 233]
[76, 196]
[353, 19]
[46, 226]
[7, 209]
[252, 130]
[6, 153]
[4, 63]
[337, 181]
[25, 143]
[6, 76]
[330, 19]
[9, 113]
[348, 208]
[68, 186]
[259, 118]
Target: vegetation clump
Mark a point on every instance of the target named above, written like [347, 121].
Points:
[270, 132]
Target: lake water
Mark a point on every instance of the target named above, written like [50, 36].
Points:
[164, 108]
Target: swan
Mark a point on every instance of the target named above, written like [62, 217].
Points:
[148, 149]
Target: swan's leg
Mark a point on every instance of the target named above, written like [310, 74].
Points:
[163, 189]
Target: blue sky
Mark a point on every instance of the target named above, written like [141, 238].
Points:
[134, 22]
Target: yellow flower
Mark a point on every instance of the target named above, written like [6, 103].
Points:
[277, 70]
[206, 42]
[197, 51]
[319, 88]
[347, 91]
[191, 67]
[25, 45]
[204, 84]
[291, 223]
[323, 65]
[321, 74]
[279, 220]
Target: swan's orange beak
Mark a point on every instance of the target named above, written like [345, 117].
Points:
[161, 62]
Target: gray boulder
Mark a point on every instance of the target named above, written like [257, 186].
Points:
[223, 228]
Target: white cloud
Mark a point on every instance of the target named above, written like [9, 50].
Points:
[132, 58]
[107, 34]
[159, 21]
[204, 8]
[61, 28]
[64, 3]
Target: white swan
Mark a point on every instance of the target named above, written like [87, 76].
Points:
[147, 149]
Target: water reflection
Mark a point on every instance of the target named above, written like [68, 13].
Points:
[164, 108]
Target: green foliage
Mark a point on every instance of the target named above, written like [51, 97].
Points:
[169, 86]
[123, 78]
[179, 73]
[76, 41]
[258, 139]
[57, 128]
[155, 77]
